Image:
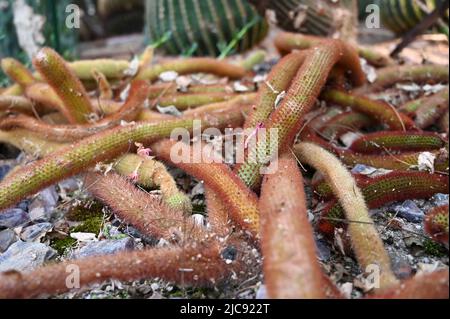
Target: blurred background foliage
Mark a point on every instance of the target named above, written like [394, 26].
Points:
[203, 27]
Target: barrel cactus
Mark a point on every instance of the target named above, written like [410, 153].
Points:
[401, 16]
[204, 27]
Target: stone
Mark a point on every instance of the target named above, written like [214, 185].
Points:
[25, 257]
[104, 247]
[7, 238]
[13, 218]
[409, 211]
[261, 293]
[43, 205]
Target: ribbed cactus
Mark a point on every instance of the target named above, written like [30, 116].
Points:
[203, 27]
[318, 17]
[402, 15]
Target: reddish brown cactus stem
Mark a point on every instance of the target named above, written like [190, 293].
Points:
[198, 264]
[194, 65]
[159, 90]
[151, 173]
[393, 186]
[444, 123]
[436, 224]
[29, 143]
[138, 208]
[345, 122]
[397, 141]
[10, 103]
[106, 145]
[403, 161]
[291, 269]
[434, 285]
[44, 95]
[365, 239]
[321, 117]
[435, 100]
[17, 72]
[241, 102]
[242, 203]
[432, 109]
[185, 101]
[105, 91]
[286, 120]
[66, 85]
[218, 216]
[388, 76]
[378, 110]
[286, 42]
[68, 133]
[279, 79]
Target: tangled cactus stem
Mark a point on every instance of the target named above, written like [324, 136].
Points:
[434, 285]
[17, 72]
[378, 110]
[286, 42]
[300, 98]
[242, 203]
[28, 142]
[186, 101]
[365, 239]
[69, 133]
[111, 69]
[169, 263]
[432, 109]
[218, 216]
[65, 83]
[105, 90]
[291, 268]
[163, 89]
[344, 122]
[397, 141]
[151, 173]
[403, 161]
[380, 190]
[433, 73]
[14, 104]
[194, 65]
[436, 224]
[278, 81]
[106, 145]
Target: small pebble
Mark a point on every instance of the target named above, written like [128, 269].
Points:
[7, 238]
[43, 205]
[35, 232]
[439, 199]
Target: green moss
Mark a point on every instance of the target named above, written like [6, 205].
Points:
[85, 211]
[62, 245]
[90, 225]
[435, 249]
